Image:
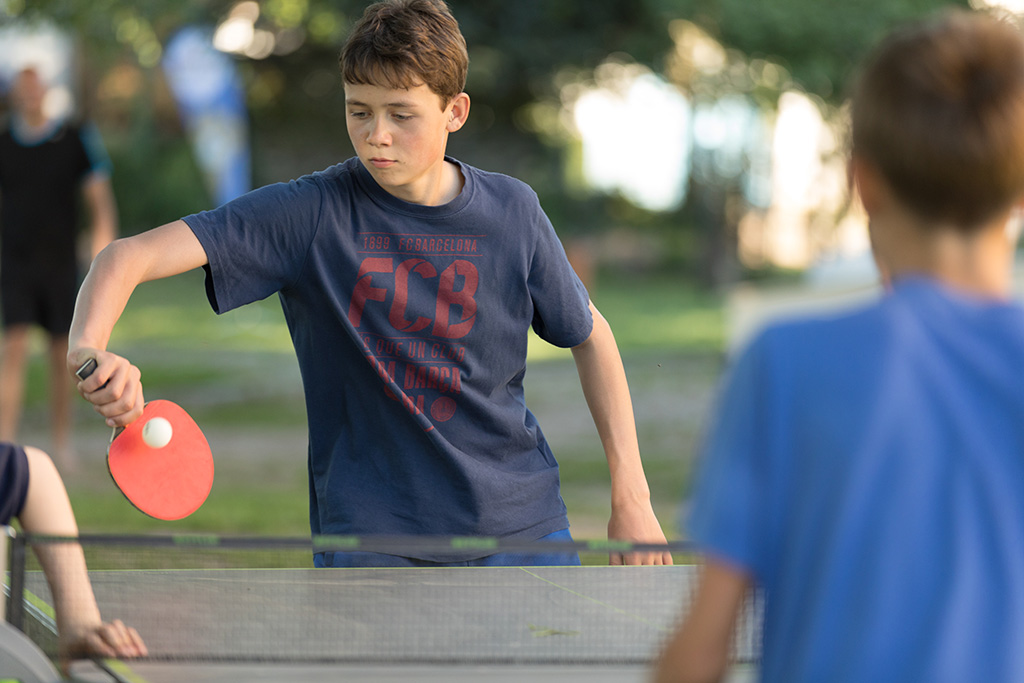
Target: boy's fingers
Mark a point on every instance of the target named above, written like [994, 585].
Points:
[633, 559]
[115, 639]
[125, 640]
[124, 410]
[137, 644]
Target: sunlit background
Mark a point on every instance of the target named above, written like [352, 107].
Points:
[694, 155]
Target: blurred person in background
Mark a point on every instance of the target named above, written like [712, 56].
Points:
[48, 169]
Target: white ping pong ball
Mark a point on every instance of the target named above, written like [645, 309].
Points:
[157, 432]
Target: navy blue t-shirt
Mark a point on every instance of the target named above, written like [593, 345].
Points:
[410, 324]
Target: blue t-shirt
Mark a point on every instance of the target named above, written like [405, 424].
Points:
[868, 470]
[410, 324]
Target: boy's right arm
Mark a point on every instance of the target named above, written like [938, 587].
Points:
[114, 388]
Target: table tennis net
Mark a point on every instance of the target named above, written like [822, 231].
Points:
[259, 600]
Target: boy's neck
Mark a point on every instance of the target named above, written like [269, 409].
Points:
[434, 190]
[979, 262]
[449, 186]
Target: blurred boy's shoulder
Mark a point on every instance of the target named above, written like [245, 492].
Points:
[792, 330]
[915, 312]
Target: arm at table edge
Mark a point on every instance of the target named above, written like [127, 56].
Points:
[699, 649]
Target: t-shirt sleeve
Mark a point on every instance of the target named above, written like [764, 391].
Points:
[257, 244]
[729, 514]
[97, 161]
[561, 311]
[13, 481]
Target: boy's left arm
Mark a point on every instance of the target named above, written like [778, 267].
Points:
[698, 652]
[604, 386]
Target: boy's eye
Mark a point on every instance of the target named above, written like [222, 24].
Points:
[357, 114]
[401, 117]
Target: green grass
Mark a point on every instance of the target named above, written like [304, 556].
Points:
[658, 313]
[237, 374]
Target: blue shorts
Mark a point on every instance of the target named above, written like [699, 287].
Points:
[13, 481]
[368, 559]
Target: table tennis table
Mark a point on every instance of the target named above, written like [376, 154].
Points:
[566, 624]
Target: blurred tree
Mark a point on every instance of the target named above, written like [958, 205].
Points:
[786, 44]
[295, 98]
[818, 42]
[521, 53]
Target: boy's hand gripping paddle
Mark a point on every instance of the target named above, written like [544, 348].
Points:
[166, 482]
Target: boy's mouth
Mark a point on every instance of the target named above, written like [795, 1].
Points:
[379, 162]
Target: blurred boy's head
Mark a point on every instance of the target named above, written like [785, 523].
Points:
[398, 44]
[938, 113]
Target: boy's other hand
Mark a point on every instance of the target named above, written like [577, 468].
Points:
[638, 524]
[113, 639]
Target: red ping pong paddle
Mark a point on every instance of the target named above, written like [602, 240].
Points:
[168, 482]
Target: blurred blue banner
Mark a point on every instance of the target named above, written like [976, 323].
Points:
[211, 100]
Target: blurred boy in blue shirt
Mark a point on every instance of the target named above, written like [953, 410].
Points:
[867, 471]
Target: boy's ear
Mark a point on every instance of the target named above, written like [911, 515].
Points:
[458, 112]
[866, 180]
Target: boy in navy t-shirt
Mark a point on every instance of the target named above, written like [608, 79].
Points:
[409, 282]
[867, 471]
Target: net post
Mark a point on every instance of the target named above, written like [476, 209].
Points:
[16, 600]
[4, 534]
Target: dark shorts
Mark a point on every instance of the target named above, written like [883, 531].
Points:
[13, 481]
[367, 559]
[44, 297]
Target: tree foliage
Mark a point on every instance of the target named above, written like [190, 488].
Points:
[516, 48]
[520, 53]
[820, 43]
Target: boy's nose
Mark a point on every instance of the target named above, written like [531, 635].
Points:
[378, 134]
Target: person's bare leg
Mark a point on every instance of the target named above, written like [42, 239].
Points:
[60, 405]
[13, 358]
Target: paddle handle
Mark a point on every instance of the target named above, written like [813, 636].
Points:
[88, 367]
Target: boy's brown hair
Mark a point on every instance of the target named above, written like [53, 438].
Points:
[404, 43]
[939, 110]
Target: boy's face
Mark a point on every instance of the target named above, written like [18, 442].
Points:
[400, 137]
